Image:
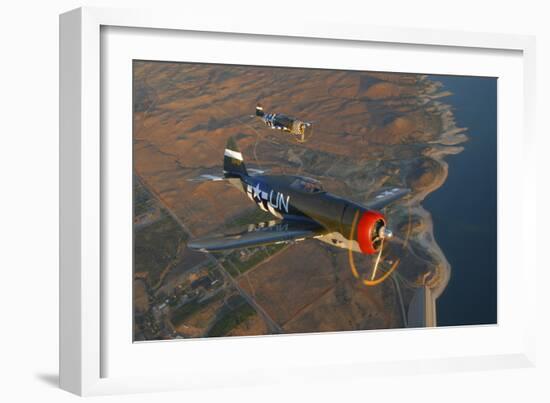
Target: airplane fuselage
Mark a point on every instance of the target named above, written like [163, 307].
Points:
[299, 198]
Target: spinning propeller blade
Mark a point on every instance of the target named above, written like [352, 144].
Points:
[377, 260]
[382, 234]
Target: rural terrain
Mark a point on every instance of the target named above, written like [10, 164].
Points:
[370, 130]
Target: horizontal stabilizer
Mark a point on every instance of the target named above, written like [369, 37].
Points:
[207, 178]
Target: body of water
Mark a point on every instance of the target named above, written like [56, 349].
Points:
[464, 209]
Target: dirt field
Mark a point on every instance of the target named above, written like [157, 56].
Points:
[285, 283]
[370, 130]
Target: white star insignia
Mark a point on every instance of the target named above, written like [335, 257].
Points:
[257, 190]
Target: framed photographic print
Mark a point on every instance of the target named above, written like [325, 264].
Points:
[247, 198]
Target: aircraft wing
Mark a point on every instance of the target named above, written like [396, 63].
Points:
[386, 196]
[259, 234]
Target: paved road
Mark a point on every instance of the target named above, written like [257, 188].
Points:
[400, 298]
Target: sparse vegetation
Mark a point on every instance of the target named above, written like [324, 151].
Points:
[378, 125]
[231, 320]
[156, 246]
[181, 314]
[142, 199]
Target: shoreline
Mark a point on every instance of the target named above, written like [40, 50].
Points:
[447, 144]
[412, 131]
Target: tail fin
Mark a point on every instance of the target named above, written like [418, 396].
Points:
[233, 164]
[259, 110]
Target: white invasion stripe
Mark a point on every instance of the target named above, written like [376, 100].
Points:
[261, 205]
[249, 194]
[233, 154]
[273, 211]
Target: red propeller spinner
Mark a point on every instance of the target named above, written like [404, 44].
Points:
[371, 230]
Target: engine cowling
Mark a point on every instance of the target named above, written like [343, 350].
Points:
[368, 232]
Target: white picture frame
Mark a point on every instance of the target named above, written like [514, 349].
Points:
[85, 344]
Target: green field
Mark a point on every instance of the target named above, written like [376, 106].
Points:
[142, 199]
[158, 244]
[231, 320]
[185, 311]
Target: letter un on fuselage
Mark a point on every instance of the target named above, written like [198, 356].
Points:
[272, 201]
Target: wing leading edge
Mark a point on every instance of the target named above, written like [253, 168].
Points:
[385, 197]
[259, 234]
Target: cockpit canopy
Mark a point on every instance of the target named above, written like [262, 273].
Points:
[307, 185]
